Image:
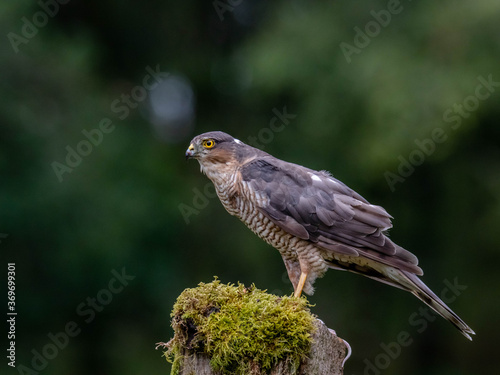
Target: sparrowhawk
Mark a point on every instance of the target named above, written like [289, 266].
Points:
[314, 220]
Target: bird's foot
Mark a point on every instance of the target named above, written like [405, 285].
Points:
[300, 285]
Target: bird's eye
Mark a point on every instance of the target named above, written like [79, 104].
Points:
[208, 143]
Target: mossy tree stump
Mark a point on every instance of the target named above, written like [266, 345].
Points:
[225, 329]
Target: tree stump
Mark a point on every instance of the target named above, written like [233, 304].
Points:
[225, 329]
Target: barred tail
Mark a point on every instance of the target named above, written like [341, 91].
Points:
[407, 281]
[427, 296]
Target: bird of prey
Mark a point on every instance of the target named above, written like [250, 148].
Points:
[314, 220]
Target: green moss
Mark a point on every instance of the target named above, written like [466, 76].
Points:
[242, 330]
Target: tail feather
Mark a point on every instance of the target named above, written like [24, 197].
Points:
[427, 296]
[407, 281]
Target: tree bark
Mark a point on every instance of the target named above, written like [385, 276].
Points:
[326, 357]
[223, 329]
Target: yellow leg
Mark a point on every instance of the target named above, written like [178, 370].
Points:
[300, 286]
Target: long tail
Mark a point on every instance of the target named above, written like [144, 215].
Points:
[410, 282]
[427, 296]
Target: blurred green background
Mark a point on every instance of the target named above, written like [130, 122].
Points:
[365, 87]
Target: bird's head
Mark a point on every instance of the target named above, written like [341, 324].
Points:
[215, 151]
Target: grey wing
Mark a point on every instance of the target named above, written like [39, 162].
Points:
[315, 206]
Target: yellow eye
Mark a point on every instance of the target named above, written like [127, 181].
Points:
[208, 143]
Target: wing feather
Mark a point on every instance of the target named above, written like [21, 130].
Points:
[315, 206]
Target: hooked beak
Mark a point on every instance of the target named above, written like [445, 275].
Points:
[190, 152]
